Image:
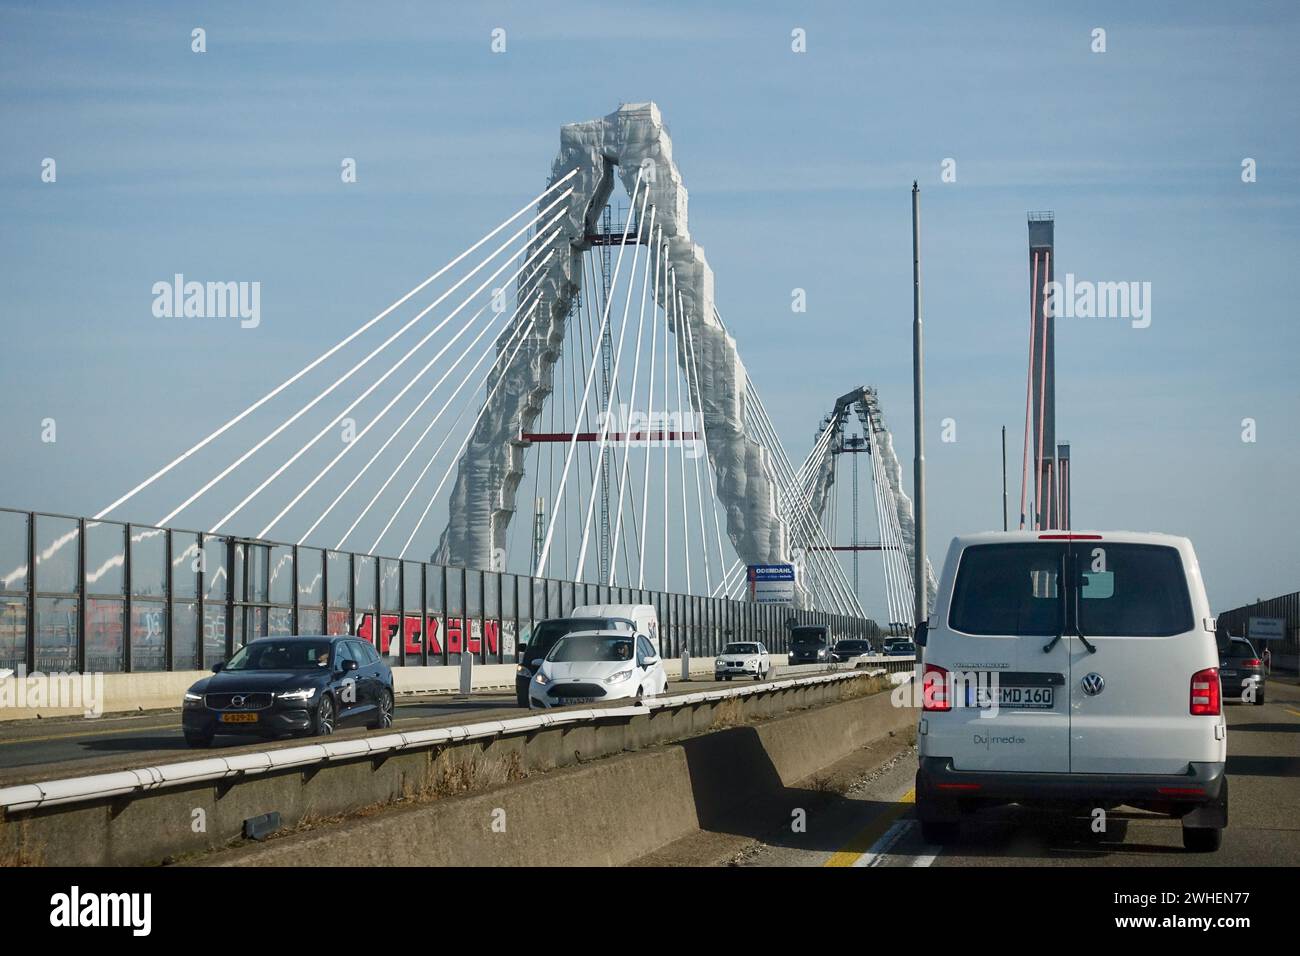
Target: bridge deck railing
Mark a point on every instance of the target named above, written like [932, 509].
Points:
[83, 595]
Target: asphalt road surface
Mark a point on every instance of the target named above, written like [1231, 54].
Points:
[869, 823]
[47, 749]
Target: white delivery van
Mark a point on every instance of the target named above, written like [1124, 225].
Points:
[644, 618]
[1076, 670]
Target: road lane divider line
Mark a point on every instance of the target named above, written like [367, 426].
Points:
[866, 839]
[93, 734]
[892, 837]
[1290, 711]
[87, 734]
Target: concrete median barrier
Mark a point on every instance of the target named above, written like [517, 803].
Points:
[602, 813]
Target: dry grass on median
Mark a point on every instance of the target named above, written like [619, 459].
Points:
[17, 848]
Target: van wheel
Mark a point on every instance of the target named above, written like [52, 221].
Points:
[940, 832]
[1202, 839]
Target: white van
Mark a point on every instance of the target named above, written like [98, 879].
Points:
[1072, 669]
[644, 618]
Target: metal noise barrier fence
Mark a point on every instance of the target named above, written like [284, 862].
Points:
[145, 779]
[80, 595]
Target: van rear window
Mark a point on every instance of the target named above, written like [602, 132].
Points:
[1007, 589]
[1122, 590]
[1133, 590]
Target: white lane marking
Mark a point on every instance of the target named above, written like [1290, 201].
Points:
[882, 846]
[891, 838]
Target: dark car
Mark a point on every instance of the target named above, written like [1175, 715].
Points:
[1239, 669]
[543, 638]
[276, 686]
[843, 650]
[809, 644]
[900, 649]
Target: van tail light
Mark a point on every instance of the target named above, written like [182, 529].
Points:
[1206, 700]
[936, 692]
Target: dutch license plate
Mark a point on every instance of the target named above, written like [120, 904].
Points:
[1227, 673]
[239, 718]
[570, 701]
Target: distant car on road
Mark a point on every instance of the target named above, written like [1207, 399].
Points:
[1240, 669]
[742, 659]
[844, 650]
[593, 667]
[543, 638]
[901, 649]
[275, 686]
[809, 644]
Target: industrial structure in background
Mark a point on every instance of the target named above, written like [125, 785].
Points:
[1045, 470]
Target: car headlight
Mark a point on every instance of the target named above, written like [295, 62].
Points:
[524, 671]
[306, 693]
[541, 678]
[619, 677]
[192, 698]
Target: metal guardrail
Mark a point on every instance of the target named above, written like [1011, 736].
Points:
[145, 779]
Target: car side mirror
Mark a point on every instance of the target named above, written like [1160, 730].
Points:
[922, 632]
[349, 666]
[218, 667]
[649, 661]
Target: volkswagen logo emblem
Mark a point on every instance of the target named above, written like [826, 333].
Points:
[1093, 684]
[241, 701]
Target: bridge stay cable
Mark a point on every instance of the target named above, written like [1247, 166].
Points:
[217, 433]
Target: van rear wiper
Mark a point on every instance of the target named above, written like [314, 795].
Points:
[1092, 648]
[1050, 644]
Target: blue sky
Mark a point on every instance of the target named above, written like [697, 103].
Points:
[225, 165]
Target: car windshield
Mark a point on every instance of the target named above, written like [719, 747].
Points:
[281, 656]
[806, 636]
[904, 647]
[548, 632]
[1241, 649]
[740, 649]
[591, 647]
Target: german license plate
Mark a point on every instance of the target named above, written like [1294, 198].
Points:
[239, 718]
[1026, 698]
[1013, 698]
